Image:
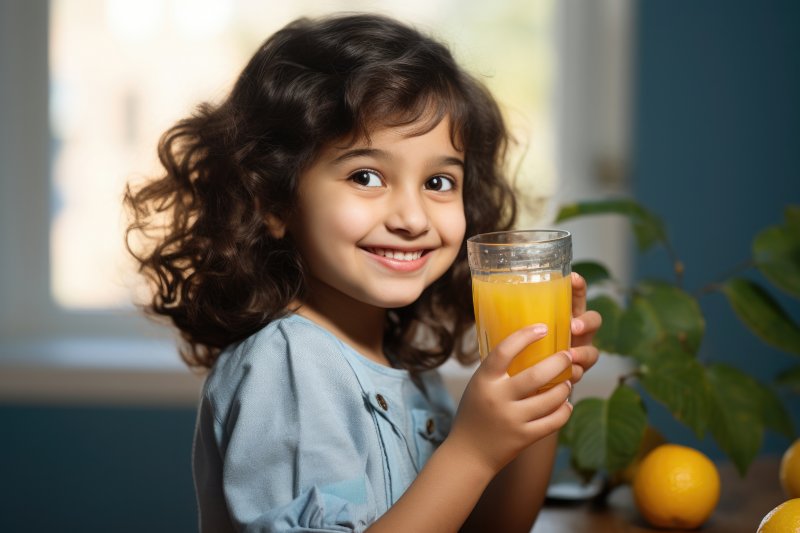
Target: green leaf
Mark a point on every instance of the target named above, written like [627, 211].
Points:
[676, 379]
[638, 330]
[605, 434]
[592, 272]
[627, 420]
[678, 313]
[790, 379]
[776, 251]
[586, 415]
[762, 314]
[736, 420]
[658, 312]
[606, 338]
[648, 228]
[774, 413]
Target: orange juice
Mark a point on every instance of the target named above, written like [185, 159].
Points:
[507, 302]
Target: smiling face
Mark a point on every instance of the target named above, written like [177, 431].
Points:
[380, 220]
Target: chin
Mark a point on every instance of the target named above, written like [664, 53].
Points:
[388, 300]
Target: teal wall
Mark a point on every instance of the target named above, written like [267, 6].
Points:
[91, 469]
[717, 154]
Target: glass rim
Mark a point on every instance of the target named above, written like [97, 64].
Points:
[484, 239]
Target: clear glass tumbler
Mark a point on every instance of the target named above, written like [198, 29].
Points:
[520, 278]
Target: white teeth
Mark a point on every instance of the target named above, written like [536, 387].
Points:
[397, 255]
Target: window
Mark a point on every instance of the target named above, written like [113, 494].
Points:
[89, 86]
[160, 58]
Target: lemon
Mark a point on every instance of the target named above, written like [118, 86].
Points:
[790, 470]
[676, 487]
[785, 518]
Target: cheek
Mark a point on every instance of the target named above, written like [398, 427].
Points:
[337, 222]
[453, 224]
[347, 221]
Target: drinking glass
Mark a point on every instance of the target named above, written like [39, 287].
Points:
[520, 278]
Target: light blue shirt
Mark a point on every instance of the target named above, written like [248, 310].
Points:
[296, 431]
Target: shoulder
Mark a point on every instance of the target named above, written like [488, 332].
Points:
[287, 358]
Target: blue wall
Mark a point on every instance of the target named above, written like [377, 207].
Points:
[717, 154]
[92, 469]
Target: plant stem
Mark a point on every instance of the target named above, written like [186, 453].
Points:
[715, 286]
[710, 287]
[744, 265]
[677, 264]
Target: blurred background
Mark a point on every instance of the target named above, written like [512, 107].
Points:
[692, 108]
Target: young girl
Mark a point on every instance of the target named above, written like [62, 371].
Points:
[307, 239]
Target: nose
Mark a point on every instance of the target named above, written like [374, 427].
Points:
[408, 213]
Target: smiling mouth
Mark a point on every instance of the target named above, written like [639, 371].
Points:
[397, 255]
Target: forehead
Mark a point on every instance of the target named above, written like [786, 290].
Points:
[425, 130]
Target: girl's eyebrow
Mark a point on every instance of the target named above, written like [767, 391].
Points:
[362, 152]
[377, 153]
[450, 160]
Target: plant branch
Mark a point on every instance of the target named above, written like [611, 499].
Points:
[715, 286]
[705, 289]
[677, 264]
[744, 265]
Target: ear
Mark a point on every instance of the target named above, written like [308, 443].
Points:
[275, 226]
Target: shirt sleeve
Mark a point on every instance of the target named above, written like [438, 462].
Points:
[314, 510]
[282, 439]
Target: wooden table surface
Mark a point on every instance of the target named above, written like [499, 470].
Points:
[743, 503]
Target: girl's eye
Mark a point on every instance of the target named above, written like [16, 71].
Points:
[440, 183]
[366, 178]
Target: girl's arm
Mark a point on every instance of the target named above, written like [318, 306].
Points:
[498, 417]
[514, 498]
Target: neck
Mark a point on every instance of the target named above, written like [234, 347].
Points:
[358, 324]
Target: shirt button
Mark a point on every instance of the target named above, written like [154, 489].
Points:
[430, 426]
[382, 402]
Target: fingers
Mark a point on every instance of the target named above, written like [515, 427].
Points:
[583, 358]
[496, 364]
[548, 411]
[585, 325]
[578, 294]
[584, 355]
[546, 425]
[530, 380]
[545, 403]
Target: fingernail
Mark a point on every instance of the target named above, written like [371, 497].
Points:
[577, 325]
[569, 404]
[569, 354]
[540, 329]
[569, 384]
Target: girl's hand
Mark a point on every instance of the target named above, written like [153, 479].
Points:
[500, 415]
[584, 326]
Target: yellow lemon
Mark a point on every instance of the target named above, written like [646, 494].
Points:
[676, 487]
[790, 470]
[785, 518]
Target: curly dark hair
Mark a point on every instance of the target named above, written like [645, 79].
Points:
[199, 233]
